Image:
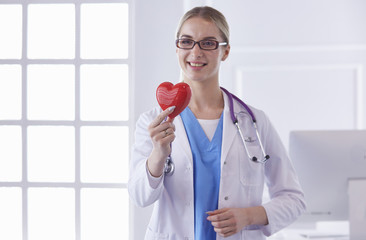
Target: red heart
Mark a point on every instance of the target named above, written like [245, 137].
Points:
[177, 95]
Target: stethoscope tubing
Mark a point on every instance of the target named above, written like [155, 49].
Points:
[169, 165]
[254, 120]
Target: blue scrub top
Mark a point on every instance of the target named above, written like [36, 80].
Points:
[206, 172]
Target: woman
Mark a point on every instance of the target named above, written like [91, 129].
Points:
[215, 190]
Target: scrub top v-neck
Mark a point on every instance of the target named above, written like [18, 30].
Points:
[206, 172]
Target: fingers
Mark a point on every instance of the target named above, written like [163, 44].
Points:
[223, 221]
[164, 130]
[160, 118]
[217, 211]
[168, 131]
[159, 129]
[225, 227]
[218, 215]
[225, 232]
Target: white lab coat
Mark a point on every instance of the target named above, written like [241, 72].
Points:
[241, 183]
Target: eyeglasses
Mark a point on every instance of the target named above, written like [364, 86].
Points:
[203, 44]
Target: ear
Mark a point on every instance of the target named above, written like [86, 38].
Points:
[226, 53]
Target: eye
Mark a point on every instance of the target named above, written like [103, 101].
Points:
[208, 43]
[186, 42]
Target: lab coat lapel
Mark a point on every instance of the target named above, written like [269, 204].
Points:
[181, 139]
[229, 131]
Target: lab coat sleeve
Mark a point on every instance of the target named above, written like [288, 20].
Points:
[287, 198]
[143, 188]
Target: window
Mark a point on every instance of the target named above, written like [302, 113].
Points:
[64, 119]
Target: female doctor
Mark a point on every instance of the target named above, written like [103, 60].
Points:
[215, 189]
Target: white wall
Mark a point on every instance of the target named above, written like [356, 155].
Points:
[301, 61]
[155, 60]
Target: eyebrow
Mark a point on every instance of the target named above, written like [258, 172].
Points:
[205, 38]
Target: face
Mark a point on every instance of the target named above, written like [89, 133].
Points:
[198, 64]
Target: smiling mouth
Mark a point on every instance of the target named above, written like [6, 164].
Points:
[197, 64]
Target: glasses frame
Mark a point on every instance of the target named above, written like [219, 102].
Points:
[199, 44]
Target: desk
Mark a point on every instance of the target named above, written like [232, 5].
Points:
[322, 229]
[295, 234]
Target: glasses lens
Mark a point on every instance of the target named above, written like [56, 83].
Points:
[208, 44]
[185, 43]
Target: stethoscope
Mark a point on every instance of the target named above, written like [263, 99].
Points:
[169, 165]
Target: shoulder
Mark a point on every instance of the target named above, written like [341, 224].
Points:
[240, 109]
[262, 120]
[259, 114]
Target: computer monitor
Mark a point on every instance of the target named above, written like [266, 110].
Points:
[325, 161]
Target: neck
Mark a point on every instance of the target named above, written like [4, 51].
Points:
[207, 101]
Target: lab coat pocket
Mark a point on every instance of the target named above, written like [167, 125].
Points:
[151, 235]
[251, 173]
[252, 235]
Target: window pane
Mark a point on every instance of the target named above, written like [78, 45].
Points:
[51, 31]
[10, 154]
[104, 154]
[11, 213]
[104, 92]
[104, 214]
[51, 92]
[11, 31]
[10, 92]
[104, 30]
[51, 153]
[51, 214]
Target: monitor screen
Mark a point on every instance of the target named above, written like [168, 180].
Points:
[324, 161]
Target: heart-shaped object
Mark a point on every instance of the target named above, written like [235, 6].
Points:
[177, 95]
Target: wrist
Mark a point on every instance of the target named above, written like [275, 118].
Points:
[257, 215]
[155, 164]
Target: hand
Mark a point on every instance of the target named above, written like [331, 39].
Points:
[162, 135]
[228, 221]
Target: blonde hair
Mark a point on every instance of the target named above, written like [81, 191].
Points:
[210, 14]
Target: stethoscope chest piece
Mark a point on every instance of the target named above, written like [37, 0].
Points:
[168, 166]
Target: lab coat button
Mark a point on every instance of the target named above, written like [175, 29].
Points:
[225, 163]
[226, 198]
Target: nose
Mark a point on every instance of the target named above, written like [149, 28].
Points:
[196, 50]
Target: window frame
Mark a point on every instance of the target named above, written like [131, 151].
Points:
[77, 123]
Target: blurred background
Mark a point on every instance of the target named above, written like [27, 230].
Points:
[76, 74]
